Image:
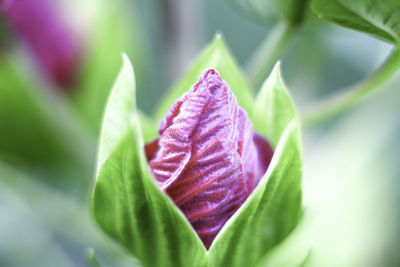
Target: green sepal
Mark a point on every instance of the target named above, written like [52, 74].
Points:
[273, 108]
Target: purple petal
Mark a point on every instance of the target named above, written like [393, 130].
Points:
[37, 23]
[208, 158]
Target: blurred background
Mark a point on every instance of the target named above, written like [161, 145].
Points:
[58, 61]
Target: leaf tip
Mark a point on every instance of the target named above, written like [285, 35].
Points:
[218, 36]
[218, 40]
[277, 72]
[127, 64]
[275, 81]
[277, 66]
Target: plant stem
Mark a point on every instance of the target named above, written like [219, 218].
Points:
[275, 43]
[343, 101]
[269, 52]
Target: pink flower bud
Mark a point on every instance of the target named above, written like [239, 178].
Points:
[208, 158]
[37, 23]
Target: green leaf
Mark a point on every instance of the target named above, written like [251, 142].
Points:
[39, 132]
[274, 209]
[216, 56]
[273, 108]
[127, 203]
[121, 104]
[267, 10]
[376, 17]
[115, 28]
[19, 111]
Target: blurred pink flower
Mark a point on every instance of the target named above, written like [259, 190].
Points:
[37, 23]
[207, 158]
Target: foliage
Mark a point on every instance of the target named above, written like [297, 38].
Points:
[378, 18]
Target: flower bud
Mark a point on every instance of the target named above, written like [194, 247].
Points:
[207, 157]
[37, 23]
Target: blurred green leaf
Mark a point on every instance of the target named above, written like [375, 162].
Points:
[271, 212]
[267, 10]
[273, 109]
[26, 132]
[115, 30]
[216, 56]
[127, 203]
[37, 130]
[378, 18]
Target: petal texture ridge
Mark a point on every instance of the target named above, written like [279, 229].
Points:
[207, 157]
